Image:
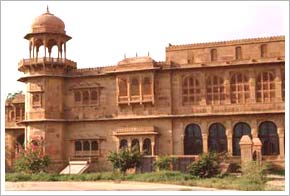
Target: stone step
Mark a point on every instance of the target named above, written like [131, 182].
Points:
[75, 168]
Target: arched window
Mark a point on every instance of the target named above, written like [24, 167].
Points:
[12, 116]
[269, 138]
[213, 54]
[123, 87]
[135, 145]
[86, 97]
[238, 53]
[283, 84]
[123, 144]
[191, 92]
[147, 146]
[217, 139]
[86, 145]
[77, 96]
[240, 129]
[147, 86]
[20, 139]
[135, 87]
[95, 145]
[264, 50]
[215, 91]
[192, 140]
[94, 95]
[240, 91]
[265, 87]
[78, 146]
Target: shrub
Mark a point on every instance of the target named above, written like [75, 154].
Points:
[32, 159]
[163, 163]
[207, 166]
[254, 172]
[125, 159]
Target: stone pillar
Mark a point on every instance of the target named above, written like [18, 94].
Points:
[252, 86]
[229, 134]
[117, 144]
[65, 50]
[281, 134]
[246, 149]
[44, 46]
[257, 150]
[278, 85]
[129, 143]
[203, 89]
[140, 89]
[205, 142]
[128, 90]
[141, 144]
[227, 86]
[152, 148]
[254, 128]
[30, 47]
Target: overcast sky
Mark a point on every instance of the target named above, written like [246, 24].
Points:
[103, 31]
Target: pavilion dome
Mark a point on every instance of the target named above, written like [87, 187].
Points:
[47, 23]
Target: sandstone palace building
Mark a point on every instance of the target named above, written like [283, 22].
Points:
[203, 97]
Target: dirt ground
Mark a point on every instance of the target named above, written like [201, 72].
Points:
[98, 186]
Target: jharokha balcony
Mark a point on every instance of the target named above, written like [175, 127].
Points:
[46, 61]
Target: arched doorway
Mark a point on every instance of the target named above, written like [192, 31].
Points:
[217, 139]
[192, 140]
[269, 138]
[240, 129]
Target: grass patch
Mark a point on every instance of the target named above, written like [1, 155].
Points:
[169, 177]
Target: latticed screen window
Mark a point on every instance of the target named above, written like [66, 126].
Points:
[78, 146]
[265, 87]
[215, 91]
[240, 92]
[147, 86]
[123, 87]
[94, 96]
[213, 55]
[86, 97]
[147, 146]
[264, 50]
[238, 53]
[283, 84]
[95, 145]
[134, 87]
[135, 145]
[36, 100]
[190, 91]
[77, 95]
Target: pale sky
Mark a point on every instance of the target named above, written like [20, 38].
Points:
[103, 31]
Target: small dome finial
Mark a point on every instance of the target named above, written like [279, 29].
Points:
[47, 10]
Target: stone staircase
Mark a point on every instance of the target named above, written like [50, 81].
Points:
[75, 167]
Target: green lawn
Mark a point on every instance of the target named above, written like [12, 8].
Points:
[169, 177]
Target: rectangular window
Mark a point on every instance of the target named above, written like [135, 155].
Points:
[36, 99]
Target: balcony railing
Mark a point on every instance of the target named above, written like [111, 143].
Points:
[33, 61]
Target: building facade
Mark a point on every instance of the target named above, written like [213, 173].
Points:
[203, 97]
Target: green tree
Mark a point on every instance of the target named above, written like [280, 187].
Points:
[164, 163]
[207, 166]
[125, 159]
[32, 159]
[11, 96]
